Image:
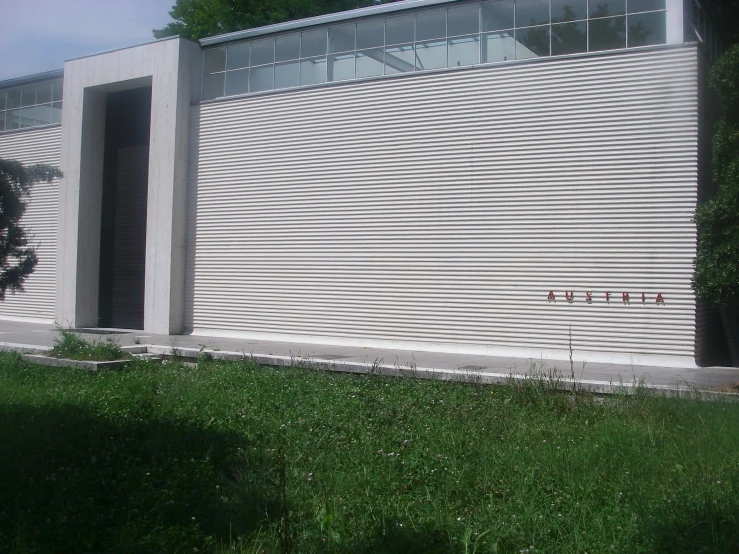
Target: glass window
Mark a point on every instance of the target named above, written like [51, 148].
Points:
[287, 74]
[399, 29]
[238, 56]
[262, 51]
[2, 120]
[635, 6]
[25, 118]
[215, 60]
[569, 38]
[431, 54]
[370, 62]
[647, 28]
[607, 8]
[261, 78]
[14, 98]
[42, 114]
[313, 71]
[430, 24]
[237, 82]
[497, 15]
[370, 33]
[341, 67]
[607, 34]
[531, 12]
[399, 59]
[56, 112]
[464, 51]
[532, 42]
[213, 85]
[463, 20]
[341, 38]
[28, 95]
[57, 89]
[314, 43]
[498, 47]
[29, 105]
[287, 47]
[569, 10]
[13, 120]
[458, 34]
[43, 93]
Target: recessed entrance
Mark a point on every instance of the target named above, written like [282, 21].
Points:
[124, 208]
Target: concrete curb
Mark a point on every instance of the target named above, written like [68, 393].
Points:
[377, 367]
[555, 380]
[79, 364]
[23, 348]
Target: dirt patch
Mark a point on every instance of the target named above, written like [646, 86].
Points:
[734, 387]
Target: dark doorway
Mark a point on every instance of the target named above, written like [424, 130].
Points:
[125, 190]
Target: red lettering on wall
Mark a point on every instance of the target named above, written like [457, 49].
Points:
[588, 296]
[608, 296]
[660, 300]
[643, 297]
[570, 295]
[551, 295]
[625, 296]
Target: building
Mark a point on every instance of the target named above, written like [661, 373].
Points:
[499, 177]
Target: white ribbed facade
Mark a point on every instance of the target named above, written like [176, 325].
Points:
[33, 146]
[400, 176]
[437, 211]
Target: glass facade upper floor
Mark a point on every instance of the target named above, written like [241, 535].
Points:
[459, 33]
[456, 34]
[31, 105]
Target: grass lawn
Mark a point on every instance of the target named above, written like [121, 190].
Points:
[228, 457]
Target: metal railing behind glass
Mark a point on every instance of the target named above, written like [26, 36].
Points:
[463, 34]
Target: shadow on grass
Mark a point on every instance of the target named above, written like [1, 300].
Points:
[71, 481]
[403, 540]
[704, 529]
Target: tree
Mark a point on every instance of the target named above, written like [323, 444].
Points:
[17, 258]
[716, 277]
[724, 14]
[195, 19]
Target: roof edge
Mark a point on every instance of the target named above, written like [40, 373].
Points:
[45, 76]
[155, 41]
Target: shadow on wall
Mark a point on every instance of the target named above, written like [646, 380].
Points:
[711, 347]
[191, 220]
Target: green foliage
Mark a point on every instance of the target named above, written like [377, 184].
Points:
[716, 277]
[232, 457]
[17, 258]
[724, 14]
[195, 19]
[72, 346]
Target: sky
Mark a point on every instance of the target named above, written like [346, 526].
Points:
[38, 35]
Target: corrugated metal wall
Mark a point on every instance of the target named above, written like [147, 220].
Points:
[443, 208]
[36, 146]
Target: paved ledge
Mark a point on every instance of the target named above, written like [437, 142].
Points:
[79, 364]
[24, 348]
[553, 377]
[595, 377]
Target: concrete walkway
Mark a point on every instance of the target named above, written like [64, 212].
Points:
[598, 377]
